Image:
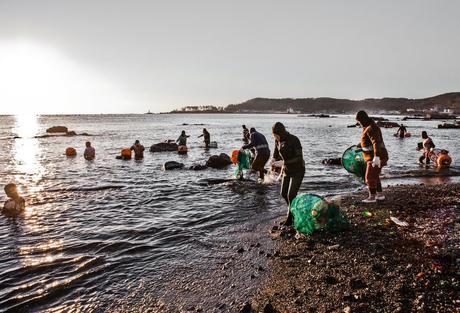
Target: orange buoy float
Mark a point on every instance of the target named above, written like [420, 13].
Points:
[182, 149]
[444, 159]
[70, 152]
[234, 157]
[126, 154]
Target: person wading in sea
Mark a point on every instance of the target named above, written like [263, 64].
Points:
[427, 146]
[15, 203]
[262, 152]
[182, 140]
[402, 130]
[289, 149]
[207, 138]
[138, 150]
[90, 152]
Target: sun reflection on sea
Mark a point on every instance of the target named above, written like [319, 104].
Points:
[28, 170]
[26, 146]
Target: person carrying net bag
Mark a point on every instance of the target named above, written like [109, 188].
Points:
[375, 155]
[289, 150]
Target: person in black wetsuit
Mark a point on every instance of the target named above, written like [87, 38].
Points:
[246, 134]
[182, 140]
[138, 150]
[207, 138]
[289, 149]
[262, 152]
[401, 131]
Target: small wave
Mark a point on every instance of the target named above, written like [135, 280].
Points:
[78, 189]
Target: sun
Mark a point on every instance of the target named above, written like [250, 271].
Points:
[37, 78]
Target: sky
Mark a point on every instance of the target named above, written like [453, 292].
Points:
[113, 56]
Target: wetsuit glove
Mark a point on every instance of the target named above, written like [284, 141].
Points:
[376, 161]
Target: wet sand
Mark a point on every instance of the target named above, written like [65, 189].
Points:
[375, 265]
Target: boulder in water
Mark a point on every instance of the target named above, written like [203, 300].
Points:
[332, 161]
[57, 129]
[198, 167]
[219, 161]
[172, 165]
[164, 146]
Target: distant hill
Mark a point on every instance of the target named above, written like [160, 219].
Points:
[332, 105]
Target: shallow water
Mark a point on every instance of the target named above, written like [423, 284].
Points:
[95, 231]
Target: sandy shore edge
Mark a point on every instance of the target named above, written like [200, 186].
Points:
[375, 265]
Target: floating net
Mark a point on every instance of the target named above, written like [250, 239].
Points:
[311, 213]
[354, 162]
[243, 163]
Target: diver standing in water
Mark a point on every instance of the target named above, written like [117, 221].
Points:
[90, 152]
[262, 152]
[15, 203]
[138, 150]
[402, 130]
[375, 155]
[289, 149]
[182, 140]
[427, 146]
[207, 138]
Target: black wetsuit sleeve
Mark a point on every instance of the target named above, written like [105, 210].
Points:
[248, 146]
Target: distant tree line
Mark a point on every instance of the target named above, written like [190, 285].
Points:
[450, 101]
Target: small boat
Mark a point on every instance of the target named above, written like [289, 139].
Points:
[149, 112]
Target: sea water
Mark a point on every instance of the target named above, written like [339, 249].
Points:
[93, 231]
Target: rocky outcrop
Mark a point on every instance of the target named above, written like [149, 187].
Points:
[198, 167]
[219, 161]
[172, 165]
[164, 147]
[386, 124]
[57, 129]
[332, 161]
[67, 134]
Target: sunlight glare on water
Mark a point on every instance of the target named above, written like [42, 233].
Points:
[27, 149]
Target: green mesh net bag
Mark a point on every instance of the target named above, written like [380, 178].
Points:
[244, 163]
[311, 213]
[354, 162]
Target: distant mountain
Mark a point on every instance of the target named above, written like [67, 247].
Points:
[332, 105]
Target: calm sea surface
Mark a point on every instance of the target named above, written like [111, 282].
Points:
[95, 231]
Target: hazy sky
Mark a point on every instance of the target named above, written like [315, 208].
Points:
[131, 56]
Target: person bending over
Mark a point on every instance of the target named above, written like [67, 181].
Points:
[182, 140]
[246, 134]
[259, 143]
[207, 138]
